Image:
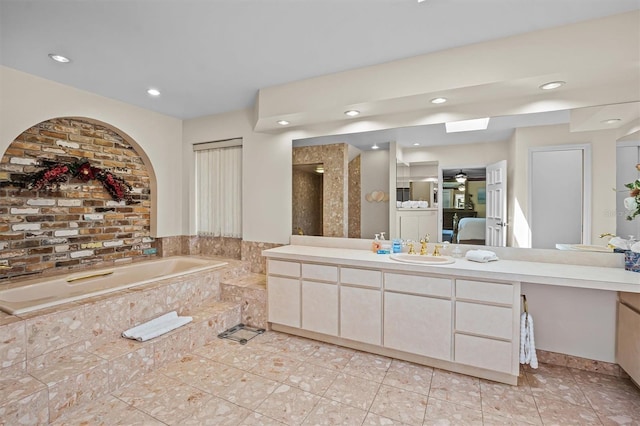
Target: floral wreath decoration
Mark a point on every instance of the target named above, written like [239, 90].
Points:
[56, 173]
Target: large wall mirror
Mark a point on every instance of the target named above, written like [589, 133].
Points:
[391, 180]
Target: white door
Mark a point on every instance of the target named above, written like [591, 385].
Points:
[559, 195]
[496, 232]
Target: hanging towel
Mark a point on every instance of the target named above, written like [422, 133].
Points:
[527, 341]
[482, 256]
[156, 327]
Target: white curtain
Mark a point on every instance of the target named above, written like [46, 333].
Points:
[219, 191]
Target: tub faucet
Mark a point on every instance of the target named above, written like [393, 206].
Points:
[607, 234]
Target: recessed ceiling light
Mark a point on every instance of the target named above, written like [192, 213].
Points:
[611, 121]
[467, 125]
[438, 100]
[352, 113]
[59, 58]
[552, 85]
[283, 122]
[153, 92]
[416, 144]
[375, 146]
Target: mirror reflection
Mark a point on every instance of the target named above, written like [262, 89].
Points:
[407, 187]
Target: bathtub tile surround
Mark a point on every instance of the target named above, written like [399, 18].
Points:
[79, 225]
[56, 330]
[23, 399]
[62, 358]
[230, 248]
[309, 394]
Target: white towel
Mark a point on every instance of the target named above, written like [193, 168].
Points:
[482, 256]
[156, 327]
[527, 341]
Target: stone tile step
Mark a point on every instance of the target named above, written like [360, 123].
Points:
[250, 280]
[46, 387]
[250, 291]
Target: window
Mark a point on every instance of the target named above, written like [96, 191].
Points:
[219, 188]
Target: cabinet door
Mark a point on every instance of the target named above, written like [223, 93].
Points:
[361, 314]
[416, 224]
[320, 307]
[410, 227]
[283, 295]
[416, 324]
[629, 341]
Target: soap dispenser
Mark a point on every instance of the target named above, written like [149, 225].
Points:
[375, 245]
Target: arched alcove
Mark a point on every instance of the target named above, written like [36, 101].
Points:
[54, 218]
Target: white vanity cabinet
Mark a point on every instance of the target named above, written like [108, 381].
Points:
[361, 305]
[417, 315]
[320, 298]
[486, 315]
[284, 292]
[444, 321]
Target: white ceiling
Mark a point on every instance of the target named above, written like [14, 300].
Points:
[213, 56]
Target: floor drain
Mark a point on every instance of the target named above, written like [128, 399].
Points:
[241, 333]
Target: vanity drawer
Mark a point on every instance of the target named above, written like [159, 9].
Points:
[484, 353]
[280, 267]
[495, 321]
[360, 277]
[320, 272]
[484, 292]
[416, 284]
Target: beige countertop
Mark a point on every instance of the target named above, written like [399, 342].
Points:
[555, 274]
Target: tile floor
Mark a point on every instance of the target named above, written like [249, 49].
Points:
[281, 379]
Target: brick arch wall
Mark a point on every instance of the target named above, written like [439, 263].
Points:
[78, 225]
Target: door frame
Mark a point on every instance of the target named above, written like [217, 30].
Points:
[587, 188]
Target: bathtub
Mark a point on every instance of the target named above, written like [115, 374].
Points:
[45, 292]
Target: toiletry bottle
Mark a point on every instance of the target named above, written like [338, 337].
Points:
[375, 245]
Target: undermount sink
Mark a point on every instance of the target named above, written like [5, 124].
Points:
[417, 259]
[584, 247]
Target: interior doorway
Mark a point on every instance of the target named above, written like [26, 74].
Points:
[307, 199]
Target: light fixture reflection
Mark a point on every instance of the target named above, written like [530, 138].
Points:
[283, 122]
[438, 100]
[352, 113]
[552, 85]
[59, 58]
[461, 177]
[375, 146]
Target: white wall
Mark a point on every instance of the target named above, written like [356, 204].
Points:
[573, 321]
[374, 217]
[27, 100]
